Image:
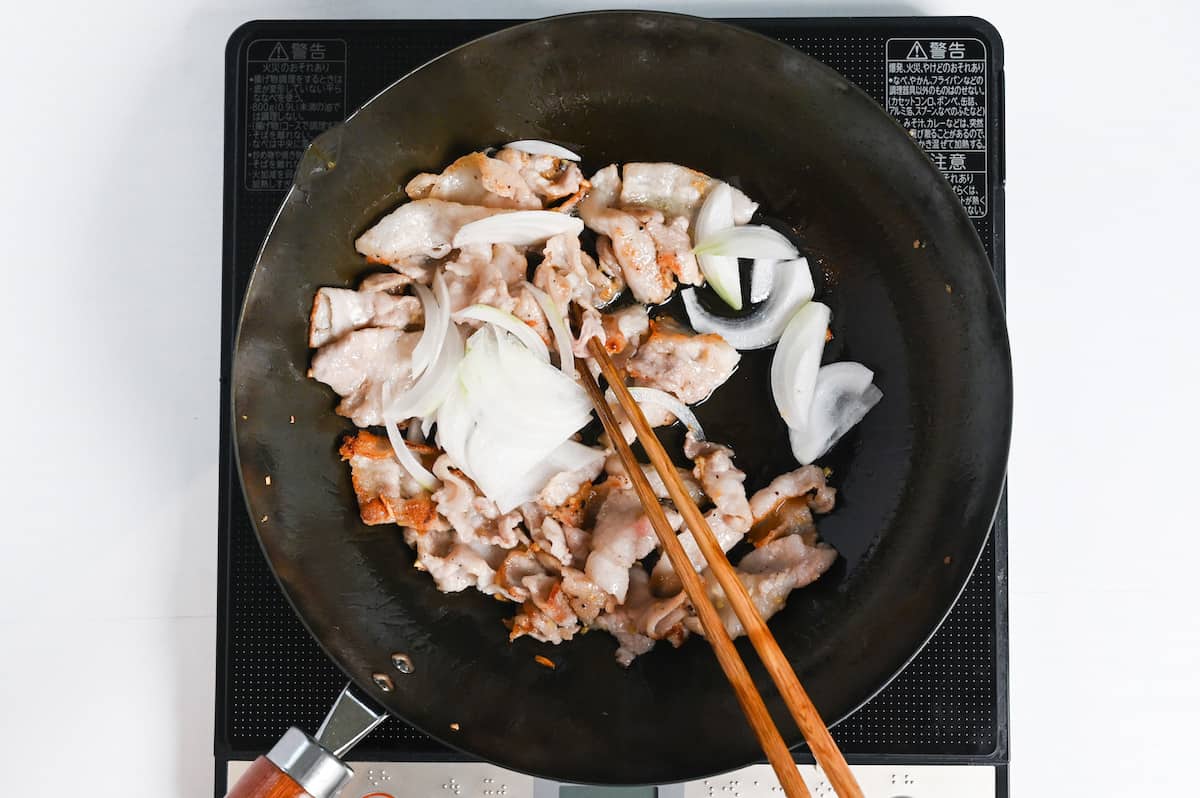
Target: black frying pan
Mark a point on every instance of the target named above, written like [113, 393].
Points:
[919, 479]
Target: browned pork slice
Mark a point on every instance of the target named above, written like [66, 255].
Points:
[622, 621]
[729, 518]
[418, 231]
[672, 245]
[615, 468]
[808, 481]
[770, 574]
[566, 485]
[675, 190]
[689, 366]
[485, 274]
[358, 365]
[786, 505]
[550, 178]
[621, 537]
[568, 274]
[475, 517]
[587, 599]
[454, 565]
[337, 311]
[476, 179]
[386, 493]
[632, 246]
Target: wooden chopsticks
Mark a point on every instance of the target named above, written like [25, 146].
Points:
[800, 706]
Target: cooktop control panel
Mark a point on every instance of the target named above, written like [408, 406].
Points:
[478, 780]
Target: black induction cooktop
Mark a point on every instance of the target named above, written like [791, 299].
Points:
[287, 81]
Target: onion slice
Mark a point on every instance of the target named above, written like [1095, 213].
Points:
[428, 393]
[721, 271]
[519, 228]
[424, 352]
[408, 461]
[796, 361]
[762, 279]
[792, 289]
[671, 404]
[843, 395]
[569, 456]
[423, 476]
[558, 326]
[539, 147]
[507, 412]
[747, 241]
[509, 323]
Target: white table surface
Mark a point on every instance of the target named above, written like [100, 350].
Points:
[111, 242]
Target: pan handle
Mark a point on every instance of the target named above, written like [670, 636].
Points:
[296, 767]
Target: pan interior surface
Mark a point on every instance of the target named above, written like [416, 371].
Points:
[918, 480]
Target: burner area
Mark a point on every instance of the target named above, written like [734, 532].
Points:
[941, 78]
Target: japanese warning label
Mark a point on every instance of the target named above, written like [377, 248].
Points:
[937, 89]
[296, 89]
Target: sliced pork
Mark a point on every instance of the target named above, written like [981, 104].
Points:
[418, 231]
[358, 365]
[476, 179]
[689, 366]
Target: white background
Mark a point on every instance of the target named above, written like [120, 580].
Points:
[111, 209]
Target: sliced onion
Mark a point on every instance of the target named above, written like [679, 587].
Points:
[796, 361]
[428, 393]
[721, 272]
[454, 425]
[747, 241]
[519, 228]
[843, 395]
[671, 404]
[762, 279]
[539, 147]
[569, 456]
[761, 327]
[404, 455]
[422, 475]
[424, 352]
[558, 326]
[509, 323]
[508, 412]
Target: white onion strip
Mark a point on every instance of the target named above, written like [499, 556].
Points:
[519, 228]
[747, 241]
[427, 394]
[539, 147]
[558, 325]
[721, 272]
[792, 289]
[653, 396]
[843, 395]
[762, 279]
[509, 323]
[423, 353]
[423, 476]
[408, 461]
[796, 360]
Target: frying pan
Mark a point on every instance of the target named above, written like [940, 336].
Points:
[912, 295]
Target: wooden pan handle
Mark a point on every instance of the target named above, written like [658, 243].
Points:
[296, 767]
[264, 779]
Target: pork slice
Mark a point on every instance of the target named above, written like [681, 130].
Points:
[418, 231]
[689, 366]
[675, 190]
[359, 364]
[476, 179]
